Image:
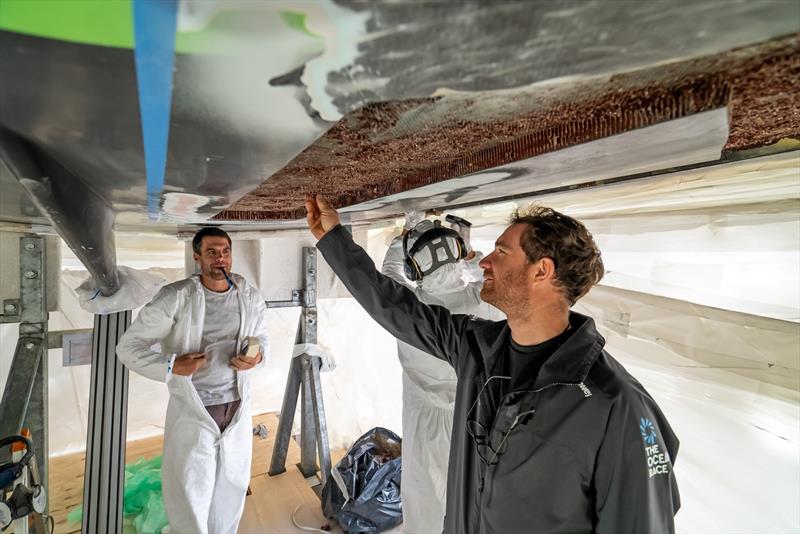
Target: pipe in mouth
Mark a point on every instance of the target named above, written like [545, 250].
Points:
[231, 283]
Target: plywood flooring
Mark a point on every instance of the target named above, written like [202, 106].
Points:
[268, 509]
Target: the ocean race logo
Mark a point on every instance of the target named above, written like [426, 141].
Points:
[657, 460]
[648, 431]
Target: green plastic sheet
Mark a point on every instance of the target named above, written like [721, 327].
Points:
[143, 503]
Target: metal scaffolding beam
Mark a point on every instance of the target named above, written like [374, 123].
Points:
[104, 477]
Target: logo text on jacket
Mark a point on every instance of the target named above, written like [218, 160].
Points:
[657, 460]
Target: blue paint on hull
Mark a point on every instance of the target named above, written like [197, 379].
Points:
[155, 23]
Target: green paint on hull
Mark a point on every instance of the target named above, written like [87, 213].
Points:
[110, 23]
[297, 21]
[96, 22]
[102, 23]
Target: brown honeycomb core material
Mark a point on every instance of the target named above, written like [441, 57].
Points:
[390, 147]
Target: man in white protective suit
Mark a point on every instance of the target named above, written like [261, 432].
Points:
[195, 335]
[431, 261]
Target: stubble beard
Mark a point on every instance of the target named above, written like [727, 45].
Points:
[488, 295]
[214, 273]
[505, 293]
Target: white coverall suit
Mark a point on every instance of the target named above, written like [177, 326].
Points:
[429, 392]
[205, 472]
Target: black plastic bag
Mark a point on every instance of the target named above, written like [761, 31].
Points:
[366, 496]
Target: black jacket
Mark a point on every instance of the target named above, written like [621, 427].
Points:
[585, 449]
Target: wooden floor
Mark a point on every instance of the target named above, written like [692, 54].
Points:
[268, 509]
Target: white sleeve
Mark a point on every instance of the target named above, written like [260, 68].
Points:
[260, 330]
[153, 324]
[393, 263]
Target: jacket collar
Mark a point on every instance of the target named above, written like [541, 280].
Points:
[569, 364]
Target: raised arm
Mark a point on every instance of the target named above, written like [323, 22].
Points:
[431, 329]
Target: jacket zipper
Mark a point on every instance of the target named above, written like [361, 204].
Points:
[586, 393]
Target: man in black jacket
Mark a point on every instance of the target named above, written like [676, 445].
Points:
[550, 434]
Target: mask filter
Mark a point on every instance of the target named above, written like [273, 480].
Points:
[433, 247]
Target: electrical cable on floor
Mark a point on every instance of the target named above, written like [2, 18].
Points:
[301, 527]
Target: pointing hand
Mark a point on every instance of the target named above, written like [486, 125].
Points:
[320, 215]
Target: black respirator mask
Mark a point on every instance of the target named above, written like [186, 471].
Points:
[443, 245]
[20, 500]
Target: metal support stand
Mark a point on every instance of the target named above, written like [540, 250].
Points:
[104, 477]
[24, 401]
[304, 379]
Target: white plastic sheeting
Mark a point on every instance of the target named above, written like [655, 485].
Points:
[748, 345]
[726, 236]
[136, 288]
[327, 363]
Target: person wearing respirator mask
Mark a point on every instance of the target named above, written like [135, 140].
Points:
[438, 265]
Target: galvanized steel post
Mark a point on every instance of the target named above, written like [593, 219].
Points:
[24, 403]
[304, 377]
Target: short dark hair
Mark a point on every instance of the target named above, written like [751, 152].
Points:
[208, 231]
[567, 242]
